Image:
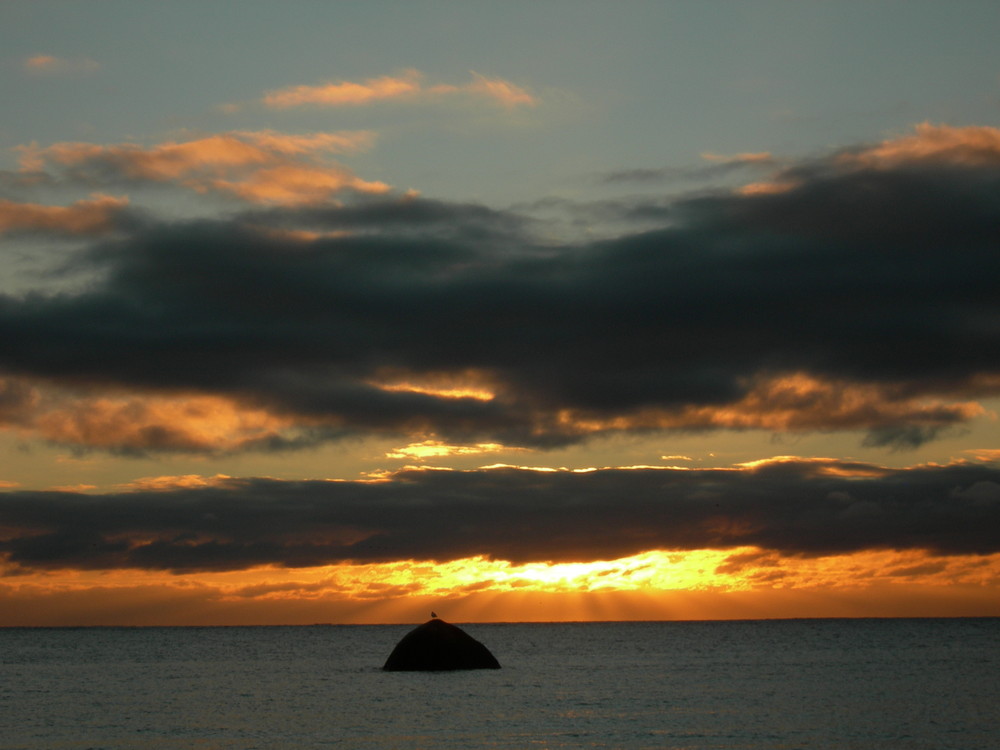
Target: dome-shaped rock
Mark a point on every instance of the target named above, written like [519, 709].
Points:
[436, 646]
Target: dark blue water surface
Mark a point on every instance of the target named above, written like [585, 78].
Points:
[928, 684]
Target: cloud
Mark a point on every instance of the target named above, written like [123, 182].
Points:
[500, 91]
[342, 142]
[187, 481]
[345, 92]
[295, 185]
[409, 217]
[53, 65]
[136, 425]
[861, 298]
[799, 402]
[258, 166]
[760, 157]
[436, 449]
[408, 86]
[795, 507]
[96, 216]
[721, 166]
[985, 454]
[934, 144]
[928, 147]
[351, 596]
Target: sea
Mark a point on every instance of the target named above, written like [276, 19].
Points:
[899, 684]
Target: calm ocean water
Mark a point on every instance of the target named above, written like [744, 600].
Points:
[930, 684]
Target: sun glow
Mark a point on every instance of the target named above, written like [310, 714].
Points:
[480, 394]
[470, 383]
[438, 449]
[694, 584]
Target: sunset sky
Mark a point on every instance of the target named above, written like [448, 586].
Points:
[343, 312]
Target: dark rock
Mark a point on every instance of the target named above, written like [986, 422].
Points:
[436, 646]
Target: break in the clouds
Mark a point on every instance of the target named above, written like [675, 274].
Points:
[407, 86]
[795, 507]
[852, 292]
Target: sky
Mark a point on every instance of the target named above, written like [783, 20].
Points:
[343, 312]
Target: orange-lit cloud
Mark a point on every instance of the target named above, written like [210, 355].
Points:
[793, 402]
[174, 159]
[258, 166]
[407, 86]
[437, 449]
[709, 323]
[73, 488]
[767, 188]
[196, 423]
[820, 467]
[298, 236]
[345, 92]
[985, 454]
[165, 483]
[217, 423]
[500, 91]
[133, 423]
[800, 401]
[84, 217]
[291, 185]
[938, 145]
[53, 65]
[698, 584]
[761, 157]
[342, 142]
[970, 146]
[466, 384]
[560, 522]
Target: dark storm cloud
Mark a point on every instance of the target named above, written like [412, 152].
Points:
[881, 277]
[793, 507]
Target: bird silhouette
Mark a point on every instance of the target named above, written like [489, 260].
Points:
[433, 614]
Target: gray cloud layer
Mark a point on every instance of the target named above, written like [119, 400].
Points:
[884, 277]
[796, 507]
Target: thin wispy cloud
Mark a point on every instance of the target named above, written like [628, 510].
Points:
[720, 166]
[406, 86]
[45, 64]
[763, 157]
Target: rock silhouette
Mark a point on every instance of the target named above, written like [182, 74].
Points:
[437, 646]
